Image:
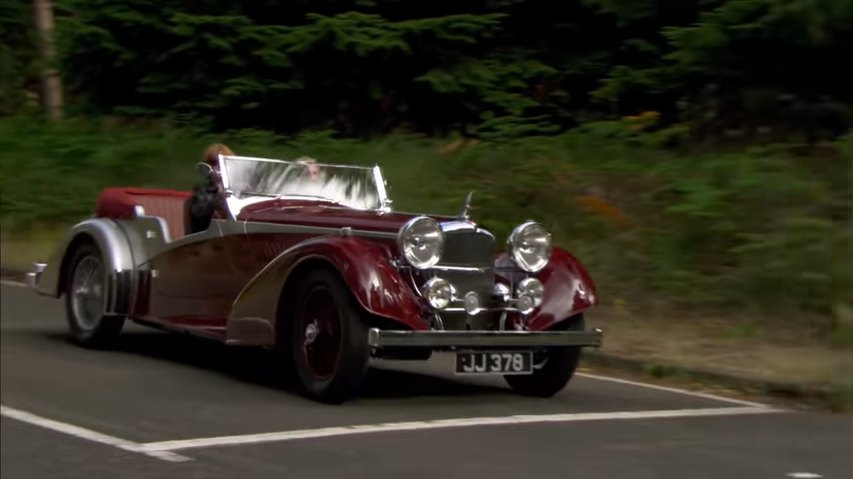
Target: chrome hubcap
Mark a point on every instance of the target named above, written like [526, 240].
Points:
[87, 292]
[311, 332]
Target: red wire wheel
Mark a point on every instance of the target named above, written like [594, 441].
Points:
[328, 337]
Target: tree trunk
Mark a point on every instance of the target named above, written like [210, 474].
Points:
[51, 83]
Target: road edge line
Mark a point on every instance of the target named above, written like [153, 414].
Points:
[670, 389]
[87, 434]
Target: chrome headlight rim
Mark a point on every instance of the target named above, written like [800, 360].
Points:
[404, 247]
[516, 255]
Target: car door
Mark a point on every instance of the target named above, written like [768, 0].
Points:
[193, 284]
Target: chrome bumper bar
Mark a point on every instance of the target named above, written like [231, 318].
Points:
[34, 276]
[378, 338]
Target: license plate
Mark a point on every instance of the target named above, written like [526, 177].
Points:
[494, 362]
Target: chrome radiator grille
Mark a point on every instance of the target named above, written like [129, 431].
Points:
[468, 264]
[468, 248]
[468, 260]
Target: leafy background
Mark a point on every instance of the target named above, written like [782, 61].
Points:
[695, 154]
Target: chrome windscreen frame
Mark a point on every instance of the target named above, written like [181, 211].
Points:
[383, 203]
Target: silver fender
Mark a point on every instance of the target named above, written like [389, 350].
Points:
[118, 259]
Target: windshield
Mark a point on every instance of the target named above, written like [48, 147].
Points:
[257, 179]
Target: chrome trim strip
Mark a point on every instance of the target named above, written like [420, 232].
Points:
[391, 338]
[457, 309]
[290, 162]
[458, 225]
[258, 227]
[384, 201]
[472, 269]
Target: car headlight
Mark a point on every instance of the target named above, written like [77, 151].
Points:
[438, 292]
[421, 241]
[529, 291]
[530, 246]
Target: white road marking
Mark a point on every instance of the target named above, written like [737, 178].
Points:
[803, 475]
[441, 424]
[674, 390]
[87, 434]
[17, 284]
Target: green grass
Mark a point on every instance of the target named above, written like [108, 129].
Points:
[762, 231]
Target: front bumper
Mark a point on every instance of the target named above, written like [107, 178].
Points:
[378, 338]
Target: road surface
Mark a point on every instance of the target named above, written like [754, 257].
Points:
[163, 405]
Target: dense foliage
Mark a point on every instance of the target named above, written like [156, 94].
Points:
[489, 68]
[17, 52]
[572, 107]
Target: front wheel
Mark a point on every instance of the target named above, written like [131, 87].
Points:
[85, 300]
[557, 365]
[329, 338]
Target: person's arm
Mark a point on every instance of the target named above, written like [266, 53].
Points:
[221, 210]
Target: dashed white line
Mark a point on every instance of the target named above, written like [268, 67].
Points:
[684, 392]
[803, 475]
[87, 434]
[441, 424]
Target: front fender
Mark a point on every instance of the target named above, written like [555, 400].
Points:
[364, 265]
[117, 256]
[568, 288]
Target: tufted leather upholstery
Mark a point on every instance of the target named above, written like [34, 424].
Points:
[167, 204]
[170, 208]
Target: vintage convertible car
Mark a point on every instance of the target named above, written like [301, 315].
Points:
[320, 268]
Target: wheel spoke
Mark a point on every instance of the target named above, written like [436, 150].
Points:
[321, 330]
[87, 292]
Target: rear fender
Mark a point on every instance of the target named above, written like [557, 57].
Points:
[568, 288]
[364, 265]
[117, 256]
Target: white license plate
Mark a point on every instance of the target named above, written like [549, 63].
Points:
[494, 362]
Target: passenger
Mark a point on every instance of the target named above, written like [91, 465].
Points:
[312, 171]
[208, 198]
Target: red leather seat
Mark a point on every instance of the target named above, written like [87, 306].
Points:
[121, 203]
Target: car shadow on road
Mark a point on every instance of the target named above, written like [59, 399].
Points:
[262, 367]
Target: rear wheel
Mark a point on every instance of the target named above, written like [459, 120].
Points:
[556, 366]
[329, 338]
[85, 300]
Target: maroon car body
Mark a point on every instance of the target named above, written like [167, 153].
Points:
[329, 282]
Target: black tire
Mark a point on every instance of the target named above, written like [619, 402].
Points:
[555, 374]
[87, 324]
[331, 368]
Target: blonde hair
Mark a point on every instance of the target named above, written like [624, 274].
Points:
[305, 160]
[211, 154]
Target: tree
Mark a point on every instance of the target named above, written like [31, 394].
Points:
[51, 90]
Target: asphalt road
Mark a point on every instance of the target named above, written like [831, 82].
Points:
[162, 405]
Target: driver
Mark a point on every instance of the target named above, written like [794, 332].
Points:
[208, 198]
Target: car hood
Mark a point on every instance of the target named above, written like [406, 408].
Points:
[327, 215]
